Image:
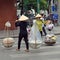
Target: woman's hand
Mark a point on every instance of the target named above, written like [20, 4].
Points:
[16, 20]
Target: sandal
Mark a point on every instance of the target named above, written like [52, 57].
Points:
[27, 50]
[18, 49]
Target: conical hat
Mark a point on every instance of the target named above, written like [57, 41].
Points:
[23, 18]
[38, 15]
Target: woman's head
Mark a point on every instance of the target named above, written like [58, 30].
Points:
[23, 18]
[38, 16]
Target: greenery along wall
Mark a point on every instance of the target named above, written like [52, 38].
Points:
[33, 3]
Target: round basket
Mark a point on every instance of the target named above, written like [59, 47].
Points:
[50, 43]
[35, 45]
[8, 42]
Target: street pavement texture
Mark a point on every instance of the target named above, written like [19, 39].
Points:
[43, 53]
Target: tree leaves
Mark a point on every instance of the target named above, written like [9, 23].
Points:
[33, 3]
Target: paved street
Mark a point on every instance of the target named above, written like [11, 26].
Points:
[43, 53]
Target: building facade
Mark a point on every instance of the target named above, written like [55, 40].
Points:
[7, 13]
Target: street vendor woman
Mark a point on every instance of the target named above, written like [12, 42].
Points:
[39, 23]
[22, 23]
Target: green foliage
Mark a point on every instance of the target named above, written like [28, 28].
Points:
[43, 4]
[29, 3]
[33, 3]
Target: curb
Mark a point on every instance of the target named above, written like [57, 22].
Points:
[17, 36]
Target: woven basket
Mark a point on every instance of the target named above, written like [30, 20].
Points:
[50, 43]
[8, 42]
[35, 45]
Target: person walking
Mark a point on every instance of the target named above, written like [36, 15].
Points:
[39, 23]
[22, 23]
[43, 25]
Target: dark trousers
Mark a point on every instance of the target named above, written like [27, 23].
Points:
[25, 36]
[43, 28]
[41, 32]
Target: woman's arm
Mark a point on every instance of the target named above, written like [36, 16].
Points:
[17, 23]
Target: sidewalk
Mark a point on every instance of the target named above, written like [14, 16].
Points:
[14, 33]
